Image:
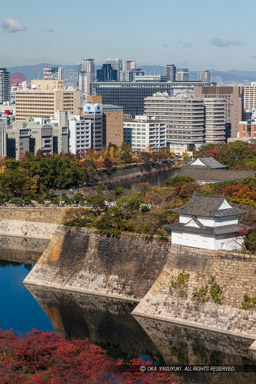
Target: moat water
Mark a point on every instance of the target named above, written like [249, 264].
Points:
[155, 179]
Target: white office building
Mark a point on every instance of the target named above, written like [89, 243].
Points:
[145, 133]
[79, 134]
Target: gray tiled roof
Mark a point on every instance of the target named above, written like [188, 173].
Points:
[208, 162]
[215, 175]
[207, 206]
[221, 230]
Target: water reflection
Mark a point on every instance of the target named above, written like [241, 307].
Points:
[185, 345]
[155, 179]
[105, 321]
[108, 323]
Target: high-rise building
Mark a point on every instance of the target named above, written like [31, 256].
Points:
[61, 73]
[170, 72]
[249, 98]
[42, 103]
[145, 133]
[93, 112]
[4, 85]
[116, 64]
[184, 117]
[86, 75]
[130, 64]
[113, 119]
[54, 73]
[205, 76]
[3, 138]
[107, 73]
[232, 96]
[182, 74]
[131, 95]
[215, 125]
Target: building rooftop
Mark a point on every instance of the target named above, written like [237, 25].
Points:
[208, 206]
[215, 175]
[111, 107]
[203, 162]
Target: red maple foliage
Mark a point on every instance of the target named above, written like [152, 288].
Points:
[46, 358]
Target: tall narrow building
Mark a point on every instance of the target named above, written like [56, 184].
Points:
[170, 72]
[215, 127]
[86, 75]
[4, 85]
[93, 112]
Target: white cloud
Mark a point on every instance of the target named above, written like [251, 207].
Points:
[221, 43]
[184, 44]
[11, 26]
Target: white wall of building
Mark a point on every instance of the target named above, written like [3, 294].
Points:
[146, 133]
[79, 134]
[211, 222]
[207, 242]
[229, 244]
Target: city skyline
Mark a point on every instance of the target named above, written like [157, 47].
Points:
[187, 34]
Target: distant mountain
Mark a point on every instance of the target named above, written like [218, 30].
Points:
[231, 76]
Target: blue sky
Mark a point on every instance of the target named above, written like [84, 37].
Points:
[199, 34]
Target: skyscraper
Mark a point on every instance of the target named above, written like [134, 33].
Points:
[205, 76]
[106, 73]
[4, 85]
[130, 64]
[86, 75]
[182, 74]
[116, 64]
[215, 126]
[170, 72]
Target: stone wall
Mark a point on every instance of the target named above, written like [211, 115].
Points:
[51, 215]
[21, 249]
[30, 222]
[84, 261]
[25, 232]
[133, 172]
[134, 269]
[235, 273]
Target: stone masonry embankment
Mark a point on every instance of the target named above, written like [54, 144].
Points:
[133, 172]
[25, 232]
[85, 261]
[235, 273]
[132, 268]
[31, 222]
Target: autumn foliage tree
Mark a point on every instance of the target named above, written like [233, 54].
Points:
[45, 358]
